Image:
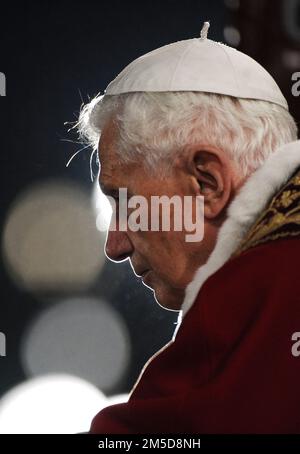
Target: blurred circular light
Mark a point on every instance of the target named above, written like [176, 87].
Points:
[82, 337]
[232, 36]
[53, 404]
[118, 399]
[50, 242]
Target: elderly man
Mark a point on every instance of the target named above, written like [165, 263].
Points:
[198, 118]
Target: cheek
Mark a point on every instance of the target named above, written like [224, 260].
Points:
[168, 269]
[166, 253]
[178, 261]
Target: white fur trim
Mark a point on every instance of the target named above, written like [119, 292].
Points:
[243, 211]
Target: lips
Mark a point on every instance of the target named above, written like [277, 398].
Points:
[140, 273]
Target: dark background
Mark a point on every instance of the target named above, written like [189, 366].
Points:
[55, 55]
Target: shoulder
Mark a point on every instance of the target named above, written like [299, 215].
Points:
[257, 273]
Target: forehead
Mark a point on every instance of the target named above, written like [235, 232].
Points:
[107, 151]
[107, 145]
[113, 173]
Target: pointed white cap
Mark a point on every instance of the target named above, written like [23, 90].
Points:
[198, 64]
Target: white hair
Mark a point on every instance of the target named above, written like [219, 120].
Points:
[157, 125]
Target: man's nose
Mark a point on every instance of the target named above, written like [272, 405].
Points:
[118, 246]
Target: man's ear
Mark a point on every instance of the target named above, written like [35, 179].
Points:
[212, 174]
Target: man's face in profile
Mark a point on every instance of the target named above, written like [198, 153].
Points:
[169, 260]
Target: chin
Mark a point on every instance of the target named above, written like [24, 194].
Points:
[167, 301]
[165, 295]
